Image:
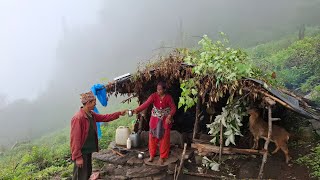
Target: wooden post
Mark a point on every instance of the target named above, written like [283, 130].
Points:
[221, 142]
[196, 123]
[266, 144]
[181, 161]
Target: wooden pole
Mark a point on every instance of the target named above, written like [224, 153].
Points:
[266, 144]
[175, 172]
[196, 123]
[221, 142]
[181, 161]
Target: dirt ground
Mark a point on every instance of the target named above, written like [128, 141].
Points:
[244, 166]
[232, 167]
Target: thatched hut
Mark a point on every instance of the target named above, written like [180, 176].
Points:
[172, 70]
[192, 122]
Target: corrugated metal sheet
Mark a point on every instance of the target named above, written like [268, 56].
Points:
[291, 101]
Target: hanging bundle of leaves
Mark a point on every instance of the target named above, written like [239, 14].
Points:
[231, 119]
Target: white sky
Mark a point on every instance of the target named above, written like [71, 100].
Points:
[29, 32]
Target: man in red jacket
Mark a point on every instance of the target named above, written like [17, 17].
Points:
[83, 136]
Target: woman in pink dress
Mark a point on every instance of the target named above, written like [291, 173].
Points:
[160, 121]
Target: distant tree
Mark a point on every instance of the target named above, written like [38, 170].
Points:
[302, 29]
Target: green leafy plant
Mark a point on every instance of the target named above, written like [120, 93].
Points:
[312, 161]
[217, 69]
[210, 164]
[231, 119]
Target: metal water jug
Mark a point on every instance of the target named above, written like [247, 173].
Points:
[135, 139]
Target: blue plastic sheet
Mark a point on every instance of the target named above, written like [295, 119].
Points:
[100, 92]
[98, 124]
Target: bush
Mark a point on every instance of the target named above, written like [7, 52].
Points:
[312, 161]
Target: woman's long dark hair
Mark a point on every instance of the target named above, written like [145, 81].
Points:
[162, 84]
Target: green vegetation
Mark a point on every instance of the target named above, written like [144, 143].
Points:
[217, 70]
[296, 63]
[41, 159]
[312, 161]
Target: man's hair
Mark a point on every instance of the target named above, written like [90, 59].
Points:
[87, 102]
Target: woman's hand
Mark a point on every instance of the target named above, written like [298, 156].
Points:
[123, 112]
[168, 119]
[134, 112]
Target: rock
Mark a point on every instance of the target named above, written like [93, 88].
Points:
[306, 134]
[144, 171]
[110, 157]
[198, 159]
[120, 171]
[176, 152]
[134, 160]
[145, 178]
[171, 159]
[112, 145]
[250, 169]
[109, 168]
[205, 137]
[161, 176]
[171, 168]
[176, 138]
[120, 178]
[315, 125]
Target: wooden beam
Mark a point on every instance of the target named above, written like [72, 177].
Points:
[272, 97]
[207, 148]
[266, 144]
[276, 99]
[269, 101]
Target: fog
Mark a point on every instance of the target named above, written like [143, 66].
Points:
[52, 51]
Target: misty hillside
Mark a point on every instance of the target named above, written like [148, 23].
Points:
[126, 33]
[49, 156]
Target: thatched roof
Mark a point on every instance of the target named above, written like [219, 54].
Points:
[172, 69]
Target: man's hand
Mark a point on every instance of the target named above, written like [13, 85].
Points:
[79, 162]
[168, 119]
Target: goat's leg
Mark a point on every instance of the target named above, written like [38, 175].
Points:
[277, 149]
[285, 149]
[256, 142]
